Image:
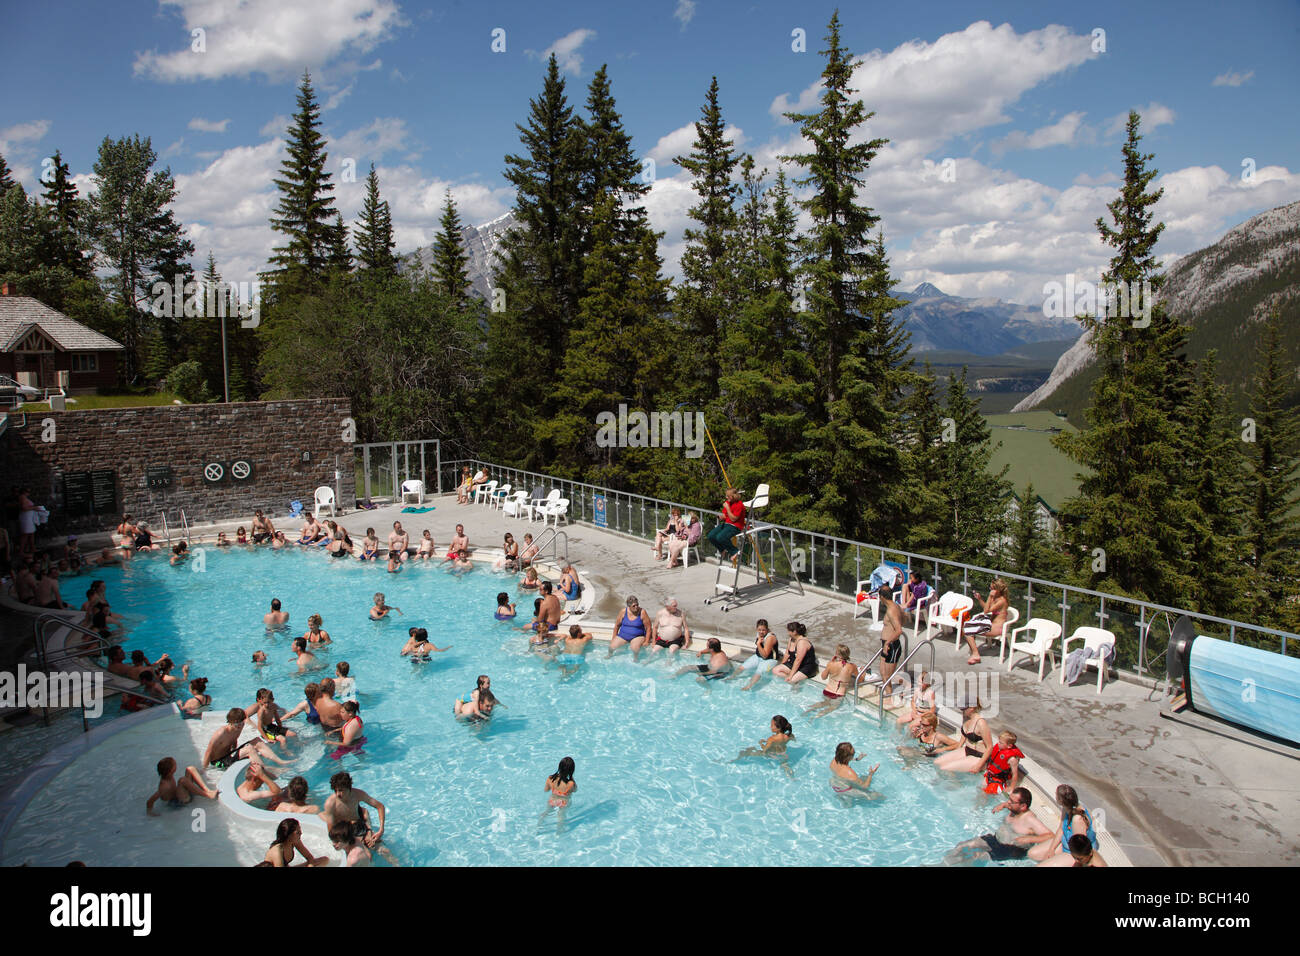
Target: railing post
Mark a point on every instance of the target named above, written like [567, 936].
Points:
[1101, 614]
[1142, 639]
[835, 566]
[1065, 623]
[1029, 601]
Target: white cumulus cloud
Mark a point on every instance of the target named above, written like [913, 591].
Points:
[208, 126]
[1069, 130]
[275, 38]
[566, 50]
[685, 12]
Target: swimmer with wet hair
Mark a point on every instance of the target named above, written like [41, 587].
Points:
[774, 746]
[380, 610]
[177, 793]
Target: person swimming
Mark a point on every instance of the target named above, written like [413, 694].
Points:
[575, 646]
[505, 607]
[774, 746]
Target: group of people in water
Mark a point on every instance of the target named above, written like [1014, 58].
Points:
[331, 702]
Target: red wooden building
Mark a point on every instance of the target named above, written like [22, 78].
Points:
[43, 348]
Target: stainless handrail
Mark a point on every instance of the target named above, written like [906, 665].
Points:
[167, 530]
[44, 620]
[857, 681]
[555, 534]
[186, 525]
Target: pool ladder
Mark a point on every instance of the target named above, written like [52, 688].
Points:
[880, 698]
[554, 541]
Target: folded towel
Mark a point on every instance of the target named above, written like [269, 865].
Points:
[417, 511]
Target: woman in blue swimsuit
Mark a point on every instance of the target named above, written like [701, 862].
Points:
[632, 628]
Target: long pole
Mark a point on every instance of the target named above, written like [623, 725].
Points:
[758, 552]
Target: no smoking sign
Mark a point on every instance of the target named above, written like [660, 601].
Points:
[219, 472]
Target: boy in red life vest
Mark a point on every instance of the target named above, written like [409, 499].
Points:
[1002, 764]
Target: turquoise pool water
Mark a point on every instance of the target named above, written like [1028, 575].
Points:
[653, 784]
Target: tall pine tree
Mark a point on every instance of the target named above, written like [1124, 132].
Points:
[1130, 520]
[1273, 486]
[450, 263]
[305, 214]
[706, 295]
[374, 233]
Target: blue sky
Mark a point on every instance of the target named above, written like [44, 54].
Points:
[1019, 96]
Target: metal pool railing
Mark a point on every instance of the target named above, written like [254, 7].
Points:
[840, 566]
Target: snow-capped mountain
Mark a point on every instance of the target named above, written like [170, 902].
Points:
[480, 244]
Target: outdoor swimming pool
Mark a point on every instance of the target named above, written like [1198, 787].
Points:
[653, 784]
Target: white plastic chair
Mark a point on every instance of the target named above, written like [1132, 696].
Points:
[1043, 635]
[759, 500]
[1094, 637]
[539, 508]
[514, 505]
[499, 496]
[484, 492]
[413, 486]
[557, 509]
[323, 498]
[941, 613]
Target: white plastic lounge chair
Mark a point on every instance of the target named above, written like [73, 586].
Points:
[324, 498]
[557, 509]
[514, 505]
[413, 487]
[1041, 636]
[499, 496]
[1096, 638]
[930, 596]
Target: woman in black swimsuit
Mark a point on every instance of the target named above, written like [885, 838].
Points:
[800, 657]
[976, 740]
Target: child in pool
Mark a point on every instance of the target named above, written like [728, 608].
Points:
[419, 646]
[426, 546]
[370, 547]
[505, 608]
[345, 687]
[259, 658]
[241, 536]
[530, 582]
[773, 746]
[305, 659]
[561, 786]
[177, 794]
[380, 609]
[394, 562]
[575, 645]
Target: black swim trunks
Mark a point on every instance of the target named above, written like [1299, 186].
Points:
[1003, 851]
[891, 651]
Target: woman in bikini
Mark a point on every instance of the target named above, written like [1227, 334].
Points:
[774, 746]
[418, 645]
[990, 622]
[967, 754]
[314, 633]
[929, 742]
[288, 839]
[561, 786]
[839, 675]
[197, 699]
[844, 780]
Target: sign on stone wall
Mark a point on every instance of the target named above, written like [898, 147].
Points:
[90, 492]
[158, 476]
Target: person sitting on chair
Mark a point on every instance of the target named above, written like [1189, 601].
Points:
[732, 523]
[989, 622]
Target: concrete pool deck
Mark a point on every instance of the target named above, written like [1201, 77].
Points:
[1172, 794]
